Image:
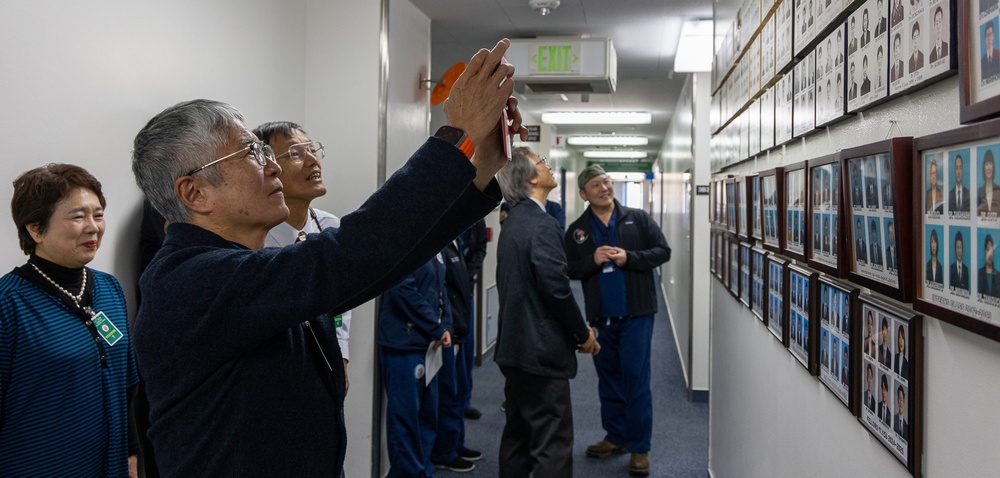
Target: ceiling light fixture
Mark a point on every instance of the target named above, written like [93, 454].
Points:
[597, 117]
[696, 47]
[615, 154]
[544, 7]
[608, 140]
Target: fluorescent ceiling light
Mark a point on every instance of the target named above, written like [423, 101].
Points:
[608, 140]
[695, 49]
[630, 177]
[597, 117]
[615, 154]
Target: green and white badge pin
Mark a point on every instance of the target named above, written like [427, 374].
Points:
[107, 328]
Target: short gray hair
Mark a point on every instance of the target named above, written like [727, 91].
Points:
[179, 139]
[515, 176]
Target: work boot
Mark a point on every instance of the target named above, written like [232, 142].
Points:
[638, 465]
[604, 449]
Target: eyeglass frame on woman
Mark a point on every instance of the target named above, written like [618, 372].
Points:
[261, 153]
[542, 160]
[318, 153]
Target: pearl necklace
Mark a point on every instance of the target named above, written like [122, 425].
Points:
[76, 298]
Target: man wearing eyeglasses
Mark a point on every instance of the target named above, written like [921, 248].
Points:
[302, 181]
[613, 250]
[243, 377]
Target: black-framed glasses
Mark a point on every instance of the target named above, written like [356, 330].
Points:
[297, 152]
[260, 151]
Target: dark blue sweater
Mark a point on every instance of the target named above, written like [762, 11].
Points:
[415, 312]
[237, 385]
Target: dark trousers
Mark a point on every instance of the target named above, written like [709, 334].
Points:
[410, 413]
[623, 381]
[538, 436]
[450, 420]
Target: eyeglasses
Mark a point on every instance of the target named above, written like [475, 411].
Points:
[542, 160]
[297, 152]
[260, 150]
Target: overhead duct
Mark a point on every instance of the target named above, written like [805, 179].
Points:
[564, 65]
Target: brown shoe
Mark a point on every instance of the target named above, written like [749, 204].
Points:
[638, 465]
[604, 449]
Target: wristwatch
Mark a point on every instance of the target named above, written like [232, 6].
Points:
[457, 137]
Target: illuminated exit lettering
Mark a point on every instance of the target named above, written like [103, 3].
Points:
[558, 59]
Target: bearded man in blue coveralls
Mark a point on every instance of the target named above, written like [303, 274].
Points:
[613, 250]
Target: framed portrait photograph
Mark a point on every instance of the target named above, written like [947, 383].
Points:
[878, 217]
[891, 369]
[979, 50]
[732, 219]
[777, 291]
[837, 303]
[724, 259]
[805, 27]
[766, 105]
[742, 222]
[921, 43]
[745, 267]
[767, 71]
[753, 188]
[759, 295]
[753, 128]
[720, 255]
[830, 86]
[734, 266]
[823, 210]
[720, 201]
[784, 104]
[797, 224]
[772, 193]
[752, 61]
[783, 26]
[713, 248]
[957, 278]
[804, 110]
[867, 55]
[802, 285]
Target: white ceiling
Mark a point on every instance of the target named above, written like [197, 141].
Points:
[644, 33]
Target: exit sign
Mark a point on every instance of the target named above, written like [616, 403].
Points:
[561, 58]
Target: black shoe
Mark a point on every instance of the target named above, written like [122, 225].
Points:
[469, 454]
[473, 414]
[458, 464]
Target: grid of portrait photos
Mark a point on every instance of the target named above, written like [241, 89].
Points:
[734, 266]
[720, 257]
[775, 295]
[885, 378]
[783, 35]
[758, 273]
[919, 32]
[805, 23]
[769, 194]
[825, 210]
[867, 50]
[731, 205]
[766, 107]
[714, 247]
[799, 286]
[767, 51]
[752, 60]
[984, 75]
[961, 224]
[753, 127]
[875, 254]
[741, 207]
[757, 231]
[745, 273]
[830, 77]
[795, 211]
[834, 339]
[783, 108]
[804, 114]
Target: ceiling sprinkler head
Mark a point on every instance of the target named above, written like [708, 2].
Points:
[544, 7]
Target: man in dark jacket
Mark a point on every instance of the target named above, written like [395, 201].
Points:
[540, 326]
[613, 250]
[225, 335]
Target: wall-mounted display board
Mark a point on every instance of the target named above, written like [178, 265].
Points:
[979, 51]
[958, 231]
[805, 26]
[753, 189]
[891, 387]
[830, 89]
[748, 20]
[783, 36]
[777, 290]
[772, 189]
[759, 295]
[802, 284]
[767, 71]
[879, 178]
[734, 266]
[766, 106]
[804, 114]
[745, 267]
[838, 301]
[784, 104]
[796, 214]
[742, 218]
[867, 50]
[920, 37]
[823, 252]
